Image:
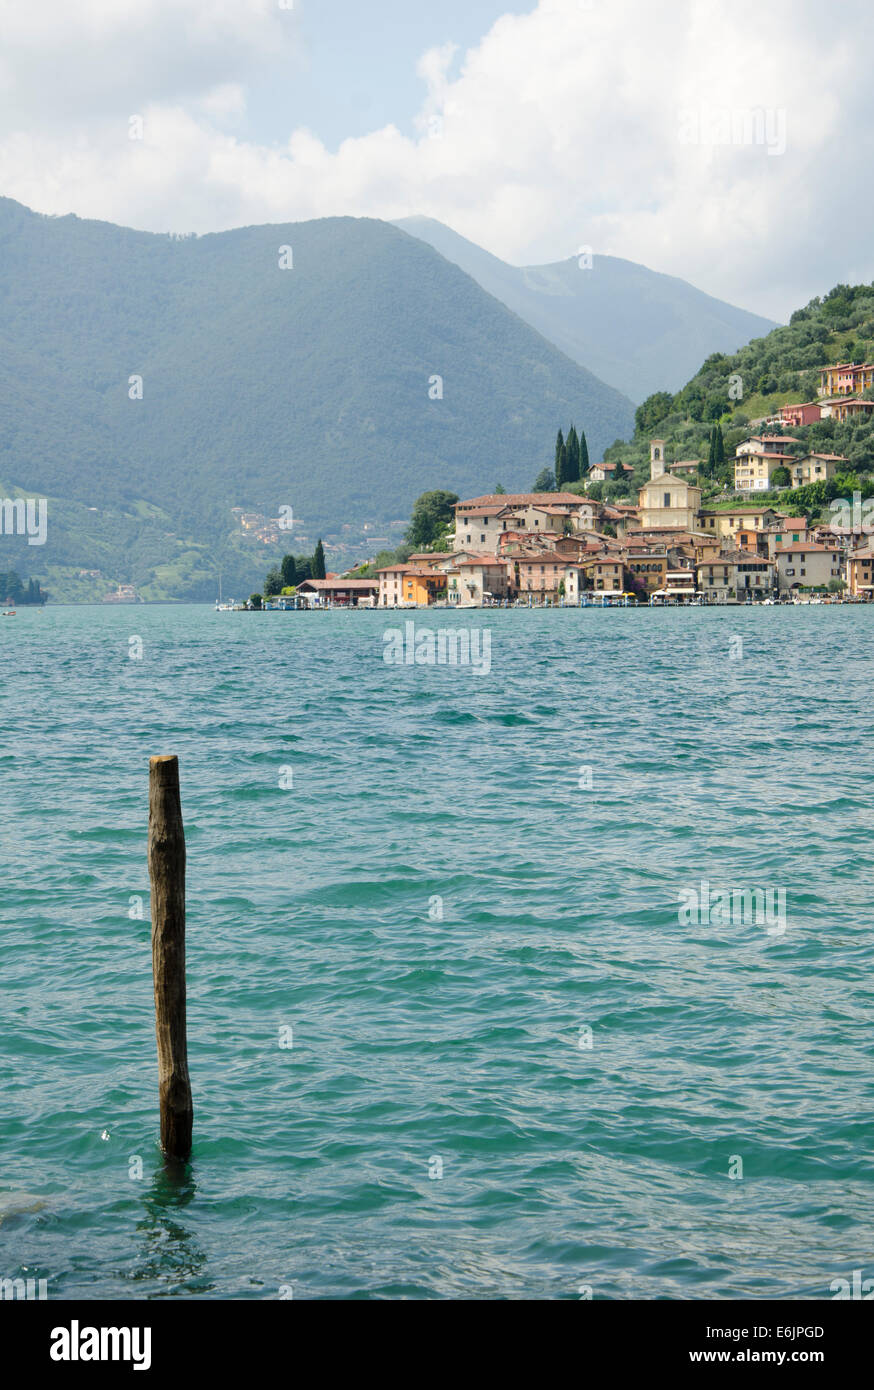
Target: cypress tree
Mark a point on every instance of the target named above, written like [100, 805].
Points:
[584, 455]
[289, 571]
[573, 457]
[720, 447]
[319, 561]
[559, 445]
[561, 468]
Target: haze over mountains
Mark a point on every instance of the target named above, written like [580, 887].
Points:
[312, 387]
[634, 328]
[370, 369]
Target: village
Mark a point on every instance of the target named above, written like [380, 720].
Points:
[565, 550]
[568, 549]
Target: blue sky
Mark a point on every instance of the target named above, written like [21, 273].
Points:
[355, 69]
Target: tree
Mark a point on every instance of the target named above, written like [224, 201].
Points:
[720, 446]
[319, 561]
[273, 582]
[500, 490]
[584, 455]
[619, 472]
[255, 600]
[596, 491]
[561, 476]
[545, 481]
[780, 477]
[572, 473]
[289, 571]
[13, 589]
[433, 515]
[559, 448]
[652, 412]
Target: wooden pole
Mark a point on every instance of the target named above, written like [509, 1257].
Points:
[167, 874]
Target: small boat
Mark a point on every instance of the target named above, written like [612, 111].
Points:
[10, 613]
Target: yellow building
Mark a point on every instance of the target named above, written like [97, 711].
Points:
[860, 573]
[666, 500]
[815, 468]
[413, 585]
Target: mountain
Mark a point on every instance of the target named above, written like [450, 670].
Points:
[634, 328]
[312, 387]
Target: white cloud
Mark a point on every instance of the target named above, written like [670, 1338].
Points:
[566, 126]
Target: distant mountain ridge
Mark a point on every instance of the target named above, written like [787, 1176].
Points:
[636, 329]
[343, 386]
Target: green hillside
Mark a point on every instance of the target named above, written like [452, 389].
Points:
[263, 387]
[780, 368]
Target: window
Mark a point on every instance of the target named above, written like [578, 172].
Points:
[667, 501]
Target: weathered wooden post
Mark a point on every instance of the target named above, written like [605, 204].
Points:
[167, 874]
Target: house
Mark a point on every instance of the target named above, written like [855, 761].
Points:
[846, 408]
[685, 468]
[478, 580]
[786, 530]
[539, 577]
[846, 378]
[604, 574]
[757, 458]
[601, 473]
[807, 565]
[860, 573]
[799, 415]
[736, 575]
[339, 592]
[621, 515]
[814, 468]
[667, 501]
[679, 586]
[646, 569]
[756, 542]
[574, 583]
[481, 521]
[753, 471]
[767, 444]
[726, 522]
[413, 585]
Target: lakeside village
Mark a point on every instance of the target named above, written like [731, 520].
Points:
[567, 549]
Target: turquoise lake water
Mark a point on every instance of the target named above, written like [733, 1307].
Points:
[558, 806]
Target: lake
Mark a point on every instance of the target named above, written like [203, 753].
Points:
[452, 1031]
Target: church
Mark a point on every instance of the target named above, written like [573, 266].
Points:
[667, 500]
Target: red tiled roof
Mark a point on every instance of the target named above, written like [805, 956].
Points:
[333, 582]
[813, 546]
[515, 499]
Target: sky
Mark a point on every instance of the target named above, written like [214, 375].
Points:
[725, 141]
